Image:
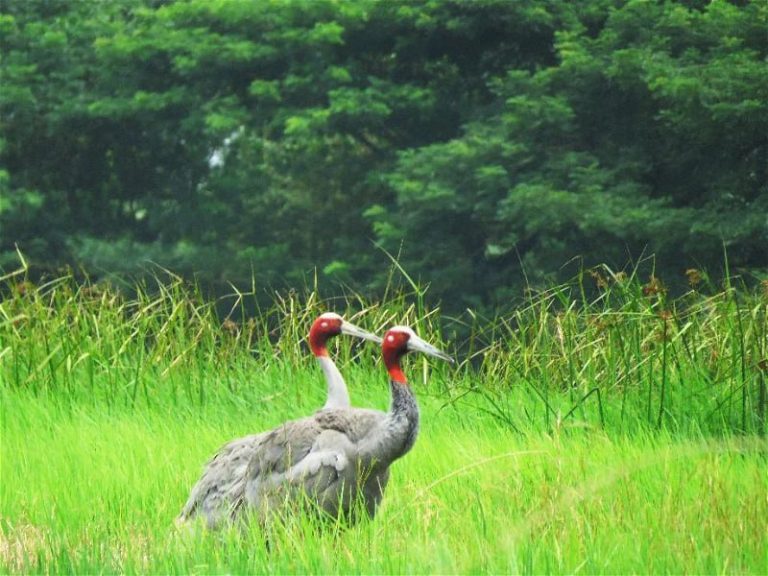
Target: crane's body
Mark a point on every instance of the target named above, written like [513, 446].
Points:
[219, 493]
[338, 458]
[316, 458]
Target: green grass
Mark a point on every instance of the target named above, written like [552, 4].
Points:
[86, 489]
[623, 434]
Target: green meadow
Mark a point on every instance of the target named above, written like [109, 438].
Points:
[613, 430]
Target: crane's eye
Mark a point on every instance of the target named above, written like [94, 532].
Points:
[323, 324]
[390, 338]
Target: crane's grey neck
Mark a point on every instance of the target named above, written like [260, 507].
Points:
[338, 397]
[398, 429]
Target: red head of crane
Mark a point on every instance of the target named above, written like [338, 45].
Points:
[398, 341]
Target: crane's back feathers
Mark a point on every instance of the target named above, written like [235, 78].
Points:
[222, 483]
[318, 457]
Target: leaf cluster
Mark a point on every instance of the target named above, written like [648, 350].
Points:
[482, 142]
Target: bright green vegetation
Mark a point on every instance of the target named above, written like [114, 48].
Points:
[111, 405]
[478, 139]
[87, 489]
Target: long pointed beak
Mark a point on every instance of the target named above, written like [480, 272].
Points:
[351, 330]
[416, 344]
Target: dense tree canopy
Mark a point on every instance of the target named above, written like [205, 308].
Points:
[476, 140]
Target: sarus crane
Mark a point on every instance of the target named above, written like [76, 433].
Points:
[338, 459]
[216, 495]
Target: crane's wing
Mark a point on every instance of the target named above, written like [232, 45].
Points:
[315, 457]
[222, 483]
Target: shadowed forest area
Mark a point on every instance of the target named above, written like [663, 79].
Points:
[484, 144]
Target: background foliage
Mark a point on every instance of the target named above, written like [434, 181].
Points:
[476, 140]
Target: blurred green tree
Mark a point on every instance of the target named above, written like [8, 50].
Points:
[479, 140]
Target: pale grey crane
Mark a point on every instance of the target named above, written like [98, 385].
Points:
[223, 479]
[341, 456]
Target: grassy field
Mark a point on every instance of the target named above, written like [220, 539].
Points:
[617, 436]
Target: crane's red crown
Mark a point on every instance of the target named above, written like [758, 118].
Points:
[400, 340]
[393, 347]
[325, 327]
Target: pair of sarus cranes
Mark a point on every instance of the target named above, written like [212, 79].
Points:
[336, 459]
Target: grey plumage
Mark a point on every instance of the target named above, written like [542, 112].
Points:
[331, 460]
[218, 495]
[335, 458]
[221, 487]
[338, 458]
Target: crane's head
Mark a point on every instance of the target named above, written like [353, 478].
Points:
[398, 341]
[329, 325]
